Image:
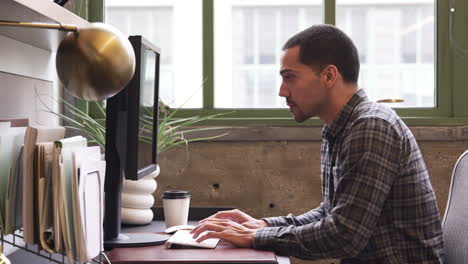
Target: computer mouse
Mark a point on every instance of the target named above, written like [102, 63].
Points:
[173, 229]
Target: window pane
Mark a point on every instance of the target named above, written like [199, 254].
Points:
[395, 39]
[172, 26]
[249, 35]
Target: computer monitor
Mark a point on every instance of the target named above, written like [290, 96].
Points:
[128, 129]
[141, 98]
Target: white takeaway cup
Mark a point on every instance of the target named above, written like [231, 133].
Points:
[176, 207]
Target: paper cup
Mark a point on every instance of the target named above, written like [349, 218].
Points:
[176, 207]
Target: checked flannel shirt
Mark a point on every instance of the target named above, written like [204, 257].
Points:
[378, 203]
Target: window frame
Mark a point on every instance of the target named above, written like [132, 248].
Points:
[450, 77]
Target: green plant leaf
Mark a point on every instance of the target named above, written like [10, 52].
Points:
[170, 131]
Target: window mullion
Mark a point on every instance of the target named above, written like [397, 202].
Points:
[96, 10]
[444, 60]
[208, 54]
[459, 59]
[329, 12]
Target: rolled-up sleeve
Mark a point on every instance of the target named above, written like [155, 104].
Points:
[307, 218]
[368, 165]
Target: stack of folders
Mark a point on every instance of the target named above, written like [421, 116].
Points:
[53, 187]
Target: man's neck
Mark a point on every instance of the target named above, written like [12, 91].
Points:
[339, 97]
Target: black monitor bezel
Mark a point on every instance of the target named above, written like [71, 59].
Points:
[132, 171]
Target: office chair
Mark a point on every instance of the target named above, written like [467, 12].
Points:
[455, 223]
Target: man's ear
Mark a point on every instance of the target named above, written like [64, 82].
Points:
[330, 74]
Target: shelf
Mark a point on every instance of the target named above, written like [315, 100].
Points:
[44, 11]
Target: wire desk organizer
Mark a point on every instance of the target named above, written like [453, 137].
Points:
[36, 250]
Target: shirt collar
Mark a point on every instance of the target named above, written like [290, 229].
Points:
[331, 131]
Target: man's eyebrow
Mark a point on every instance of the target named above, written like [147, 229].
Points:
[285, 71]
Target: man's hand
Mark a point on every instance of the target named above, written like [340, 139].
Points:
[238, 217]
[234, 226]
[226, 229]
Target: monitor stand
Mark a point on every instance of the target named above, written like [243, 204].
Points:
[112, 216]
[135, 240]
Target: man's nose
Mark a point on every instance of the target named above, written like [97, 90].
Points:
[283, 91]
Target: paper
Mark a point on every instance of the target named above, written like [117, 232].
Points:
[91, 199]
[28, 186]
[11, 141]
[67, 146]
[14, 203]
[45, 196]
[183, 238]
[33, 136]
[4, 125]
[5, 158]
[88, 169]
[56, 232]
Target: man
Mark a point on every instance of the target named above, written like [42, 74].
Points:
[378, 203]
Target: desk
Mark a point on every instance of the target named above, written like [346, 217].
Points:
[159, 226]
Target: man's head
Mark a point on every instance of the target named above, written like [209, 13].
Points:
[314, 61]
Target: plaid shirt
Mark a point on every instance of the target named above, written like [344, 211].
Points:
[378, 203]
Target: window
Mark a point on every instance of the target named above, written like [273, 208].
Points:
[175, 27]
[396, 40]
[234, 48]
[249, 35]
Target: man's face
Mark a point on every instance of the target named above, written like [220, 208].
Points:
[305, 92]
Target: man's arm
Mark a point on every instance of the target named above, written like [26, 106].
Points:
[370, 163]
[306, 218]
[237, 216]
[239, 228]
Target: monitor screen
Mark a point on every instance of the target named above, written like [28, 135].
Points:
[147, 103]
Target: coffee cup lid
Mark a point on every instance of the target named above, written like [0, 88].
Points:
[176, 194]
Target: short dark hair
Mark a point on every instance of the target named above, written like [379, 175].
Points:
[322, 45]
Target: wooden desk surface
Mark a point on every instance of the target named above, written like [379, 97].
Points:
[160, 226]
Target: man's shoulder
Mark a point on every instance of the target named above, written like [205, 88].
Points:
[374, 115]
[372, 110]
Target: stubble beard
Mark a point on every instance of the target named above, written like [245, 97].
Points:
[299, 115]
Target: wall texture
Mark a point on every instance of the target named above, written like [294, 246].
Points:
[271, 178]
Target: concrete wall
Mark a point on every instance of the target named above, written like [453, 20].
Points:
[270, 178]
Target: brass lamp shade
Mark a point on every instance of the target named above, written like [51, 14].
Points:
[95, 62]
